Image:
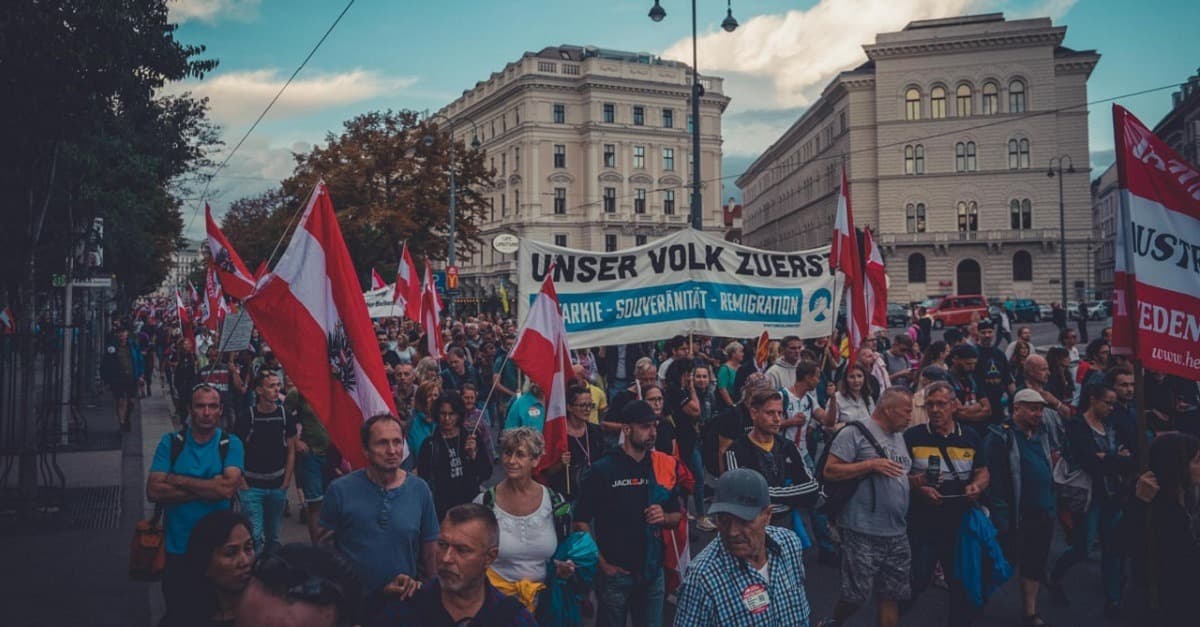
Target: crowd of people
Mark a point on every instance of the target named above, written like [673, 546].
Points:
[909, 462]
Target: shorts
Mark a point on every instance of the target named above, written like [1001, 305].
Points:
[878, 563]
[1029, 546]
[310, 474]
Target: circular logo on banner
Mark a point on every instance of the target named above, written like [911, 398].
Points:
[755, 598]
[506, 243]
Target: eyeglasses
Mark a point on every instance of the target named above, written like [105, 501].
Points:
[587, 406]
[300, 585]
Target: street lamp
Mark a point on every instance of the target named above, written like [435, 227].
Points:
[1056, 165]
[453, 190]
[657, 13]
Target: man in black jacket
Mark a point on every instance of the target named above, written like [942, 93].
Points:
[774, 457]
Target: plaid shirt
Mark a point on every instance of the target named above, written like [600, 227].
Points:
[722, 590]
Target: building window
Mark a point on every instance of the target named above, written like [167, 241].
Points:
[843, 126]
[560, 156]
[610, 113]
[910, 164]
[560, 240]
[668, 118]
[610, 155]
[964, 157]
[962, 98]
[503, 205]
[639, 240]
[968, 217]
[1020, 214]
[1022, 266]
[668, 159]
[991, 99]
[639, 157]
[669, 202]
[610, 200]
[503, 163]
[639, 116]
[912, 104]
[610, 242]
[1016, 96]
[914, 217]
[560, 114]
[516, 201]
[517, 115]
[1018, 154]
[937, 103]
[639, 201]
[916, 268]
[517, 159]
[560, 201]
[918, 159]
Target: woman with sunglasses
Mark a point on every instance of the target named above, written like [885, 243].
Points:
[450, 460]
[217, 565]
[585, 444]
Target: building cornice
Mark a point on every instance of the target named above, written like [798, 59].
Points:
[966, 42]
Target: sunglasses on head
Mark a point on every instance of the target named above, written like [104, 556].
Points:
[274, 570]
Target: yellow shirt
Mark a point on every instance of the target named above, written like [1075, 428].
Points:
[765, 446]
[600, 399]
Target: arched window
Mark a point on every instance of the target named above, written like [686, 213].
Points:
[960, 157]
[1023, 153]
[919, 152]
[912, 104]
[1018, 154]
[970, 156]
[937, 103]
[909, 164]
[991, 98]
[1022, 266]
[914, 217]
[1016, 96]
[962, 99]
[968, 216]
[916, 268]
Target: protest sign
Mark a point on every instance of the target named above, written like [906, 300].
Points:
[235, 332]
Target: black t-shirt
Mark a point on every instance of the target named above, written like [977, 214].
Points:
[391, 358]
[685, 425]
[992, 378]
[614, 498]
[585, 450]
[265, 437]
[734, 422]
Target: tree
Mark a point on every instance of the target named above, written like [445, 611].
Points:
[255, 224]
[390, 186]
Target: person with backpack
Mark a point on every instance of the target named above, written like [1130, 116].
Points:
[269, 434]
[865, 472]
[195, 471]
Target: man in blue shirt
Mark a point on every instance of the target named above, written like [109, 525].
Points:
[755, 574]
[527, 411]
[381, 518]
[194, 472]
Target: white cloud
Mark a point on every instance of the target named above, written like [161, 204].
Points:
[801, 50]
[180, 11]
[1053, 9]
[238, 97]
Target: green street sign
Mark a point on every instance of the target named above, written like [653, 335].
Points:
[58, 280]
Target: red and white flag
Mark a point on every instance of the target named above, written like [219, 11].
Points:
[542, 353]
[407, 291]
[876, 284]
[844, 256]
[312, 313]
[231, 271]
[212, 313]
[194, 297]
[8, 323]
[183, 316]
[431, 311]
[1156, 295]
[377, 282]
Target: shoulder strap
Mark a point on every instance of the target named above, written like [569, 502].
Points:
[560, 509]
[178, 440]
[866, 431]
[950, 463]
[489, 498]
[223, 448]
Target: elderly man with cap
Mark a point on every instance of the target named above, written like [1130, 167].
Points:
[626, 498]
[755, 574]
[1020, 495]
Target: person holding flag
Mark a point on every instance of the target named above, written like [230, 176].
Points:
[406, 294]
[846, 257]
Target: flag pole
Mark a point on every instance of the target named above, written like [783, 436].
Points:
[503, 363]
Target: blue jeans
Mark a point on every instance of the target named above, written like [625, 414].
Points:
[1103, 519]
[623, 595]
[264, 508]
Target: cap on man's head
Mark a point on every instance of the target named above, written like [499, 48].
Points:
[935, 373]
[964, 351]
[637, 412]
[1028, 396]
[741, 492]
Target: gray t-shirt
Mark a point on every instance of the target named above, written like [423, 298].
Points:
[897, 363]
[880, 504]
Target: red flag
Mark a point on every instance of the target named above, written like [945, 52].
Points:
[185, 318]
[876, 284]
[1156, 295]
[377, 282]
[194, 296]
[407, 291]
[231, 271]
[311, 312]
[431, 309]
[541, 352]
[844, 256]
[762, 351]
[261, 271]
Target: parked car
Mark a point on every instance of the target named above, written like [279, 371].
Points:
[956, 309]
[1073, 310]
[1045, 312]
[897, 315]
[1098, 310]
[1024, 309]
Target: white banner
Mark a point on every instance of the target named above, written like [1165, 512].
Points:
[685, 282]
[379, 303]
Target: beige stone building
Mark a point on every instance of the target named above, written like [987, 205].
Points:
[946, 132]
[1106, 200]
[591, 149]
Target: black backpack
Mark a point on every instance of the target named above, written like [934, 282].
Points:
[179, 439]
[838, 493]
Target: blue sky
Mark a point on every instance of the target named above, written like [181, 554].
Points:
[420, 55]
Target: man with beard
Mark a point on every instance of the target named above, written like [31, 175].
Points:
[973, 407]
[992, 375]
[467, 544]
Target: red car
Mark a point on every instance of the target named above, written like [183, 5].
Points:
[956, 309]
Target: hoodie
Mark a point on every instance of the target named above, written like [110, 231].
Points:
[782, 374]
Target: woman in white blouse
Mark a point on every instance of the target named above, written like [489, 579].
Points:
[852, 402]
[526, 511]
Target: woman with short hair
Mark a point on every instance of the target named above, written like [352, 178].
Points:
[449, 460]
[585, 444]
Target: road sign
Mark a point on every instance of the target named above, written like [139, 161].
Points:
[439, 281]
[58, 280]
[452, 277]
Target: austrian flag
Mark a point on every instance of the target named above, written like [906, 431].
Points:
[312, 313]
[231, 271]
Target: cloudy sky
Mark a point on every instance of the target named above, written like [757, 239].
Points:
[403, 54]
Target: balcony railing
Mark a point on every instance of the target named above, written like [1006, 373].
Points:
[1001, 236]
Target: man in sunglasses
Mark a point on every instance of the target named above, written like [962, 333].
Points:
[302, 586]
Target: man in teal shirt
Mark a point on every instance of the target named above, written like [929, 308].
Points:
[527, 411]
